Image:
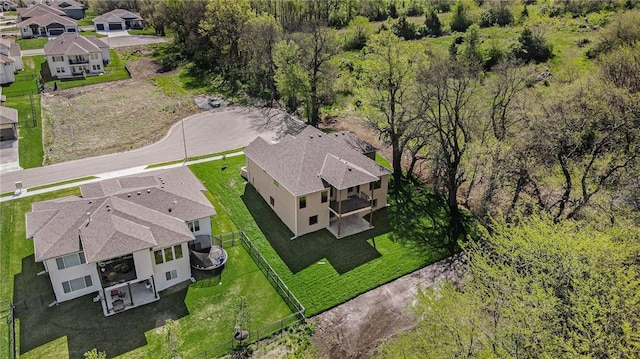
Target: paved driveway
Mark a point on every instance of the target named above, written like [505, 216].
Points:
[208, 132]
[9, 156]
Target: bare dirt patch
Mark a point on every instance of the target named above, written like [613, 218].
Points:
[356, 328]
[111, 117]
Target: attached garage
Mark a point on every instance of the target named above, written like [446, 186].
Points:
[55, 32]
[115, 26]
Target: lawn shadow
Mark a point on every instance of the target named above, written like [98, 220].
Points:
[82, 321]
[343, 254]
[420, 219]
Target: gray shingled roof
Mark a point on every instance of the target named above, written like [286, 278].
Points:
[119, 13]
[12, 47]
[5, 59]
[354, 142]
[38, 10]
[47, 19]
[116, 220]
[296, 162]
[342, 174]
[8, 115]
[71, 43]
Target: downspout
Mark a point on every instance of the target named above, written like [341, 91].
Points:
[295, 217]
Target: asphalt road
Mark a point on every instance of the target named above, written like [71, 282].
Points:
[205, 133]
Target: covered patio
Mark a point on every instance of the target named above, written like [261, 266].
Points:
[127, 296]
[348, 226]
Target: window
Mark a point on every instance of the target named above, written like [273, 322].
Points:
[375, 203]
[158, 256]
[194, 226]
[302, 201]
[324, 197]
[272, 201]
[60, 70]
[95, 67]
[168, 254]
[57, 58]
[172, 274]
[313, 220]
[94, 56]
[77, 284]
[71, 260]
[375, 185]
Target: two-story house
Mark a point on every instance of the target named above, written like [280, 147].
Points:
[316, 180]
[73, 55]
[124, 239]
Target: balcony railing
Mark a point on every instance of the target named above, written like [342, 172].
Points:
[78, 61]
[351, 204]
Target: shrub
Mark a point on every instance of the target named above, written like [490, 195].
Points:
[460, 20]
[432, 23]
[405, 29]
[532, 47]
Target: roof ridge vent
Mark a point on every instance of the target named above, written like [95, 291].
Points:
[148, 190]
[310, 136]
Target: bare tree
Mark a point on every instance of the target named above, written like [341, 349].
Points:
[447, 90]
[397, 111]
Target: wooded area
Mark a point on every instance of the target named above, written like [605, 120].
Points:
[547, 162]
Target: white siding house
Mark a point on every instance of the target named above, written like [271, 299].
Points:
[125, 240]
[72, 55]
[7, 70]
[118, 19]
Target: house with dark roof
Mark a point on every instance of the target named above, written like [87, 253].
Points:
[315, 180]
[70, 8]
[72, 55]
[118, 19]
[8, 123]
[124, 239]
[8, 5]
[47, 23]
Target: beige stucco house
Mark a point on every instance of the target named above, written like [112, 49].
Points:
[315, 180]
[72, 55]
[124, 239]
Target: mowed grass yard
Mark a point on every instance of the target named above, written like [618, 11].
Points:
[320, 270]
[21, 95]
[204, 310]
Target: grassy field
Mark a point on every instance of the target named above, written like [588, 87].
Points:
[21, 95]
[204, 310]
[320, 270]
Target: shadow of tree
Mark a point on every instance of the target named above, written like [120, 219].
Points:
[343, 254]
[420, 219]
[82, 321]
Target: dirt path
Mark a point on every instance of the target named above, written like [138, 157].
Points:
[356, 328]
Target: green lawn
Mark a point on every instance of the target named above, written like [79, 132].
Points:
[204, 310]
[20, 95]
[32, 44]
[113, 71]
[320, 270]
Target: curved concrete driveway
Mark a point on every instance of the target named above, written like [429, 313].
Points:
[205, 133]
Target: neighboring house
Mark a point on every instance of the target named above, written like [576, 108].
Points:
[8, 123]
[47, 25]
[25, 13]
[8, 5]
[118, 19]
[12, 50]
[125, 239]
[314, 181]
[71, 8]
[7, 70]
[72, 55]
